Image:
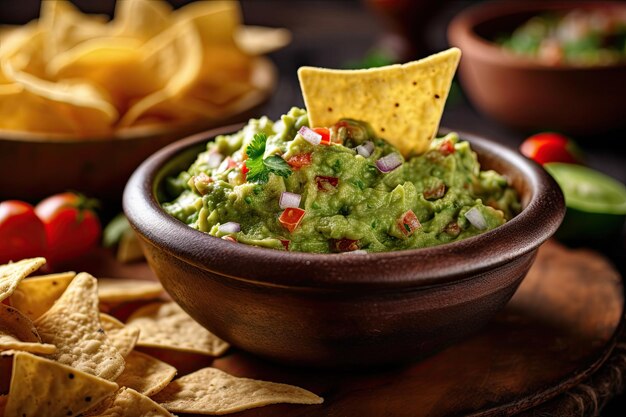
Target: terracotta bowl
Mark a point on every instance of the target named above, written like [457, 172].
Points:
[522, 91]
[341, 310]
[36, 165]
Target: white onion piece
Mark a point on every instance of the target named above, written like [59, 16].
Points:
[229, 227]
[476, 218]
[288, 199]
[389, 162]
[214, 159]
[310, 136]
[366, 149]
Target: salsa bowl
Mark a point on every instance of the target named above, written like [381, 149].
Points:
[341, 310]
[523, 91]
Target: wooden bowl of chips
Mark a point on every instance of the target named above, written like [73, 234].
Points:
[341, 310]
[530, 93]
[34, 165]
[84, 100]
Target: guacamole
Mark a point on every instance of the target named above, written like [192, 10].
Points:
[580, 37]
[285, 186]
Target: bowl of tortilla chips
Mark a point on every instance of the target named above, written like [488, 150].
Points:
[356, 309]
[85, 99]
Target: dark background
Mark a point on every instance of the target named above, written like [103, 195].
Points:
[337, 34]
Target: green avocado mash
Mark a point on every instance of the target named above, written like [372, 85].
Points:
[353, 191]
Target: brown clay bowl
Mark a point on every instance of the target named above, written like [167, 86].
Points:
[36, 165]
[522, 91]
[341, 310]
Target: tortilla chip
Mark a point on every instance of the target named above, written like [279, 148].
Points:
[260, 40]
[73, 326]
[119, 290]
[211, 391]
[124, 338]
[11, 274]
[403, 103]
[176, 56]
[44, 388]
[34, 296]
[18, 332]
[166, 325]
[65, 27]
[141, 19]
[73, 96]
[146, 374]
[128, 403]
[112, 64]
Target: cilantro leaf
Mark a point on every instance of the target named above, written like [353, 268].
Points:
[259, 169]
[256, 148]
[277, 165]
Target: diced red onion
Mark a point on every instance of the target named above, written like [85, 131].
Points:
[389, 162]
[476, 218]
[288, 199]
[229, 227]
[310, 136]
[366, 149]
[214, 159]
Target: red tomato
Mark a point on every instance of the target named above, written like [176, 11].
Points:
[22, 233]
[325, 133]
[326, 183]
[300, 160]
[408, 223]
[72, 227]
[550, 147]
[291, 217]
[344, 245]
[447, 148]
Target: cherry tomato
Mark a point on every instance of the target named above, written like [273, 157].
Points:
[72, 227]
[22, 233]
[550, 147]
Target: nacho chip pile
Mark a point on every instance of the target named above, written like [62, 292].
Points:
[60, 355]
[77, 74]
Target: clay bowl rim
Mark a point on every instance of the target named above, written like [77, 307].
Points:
[471, 256]
[462, 30]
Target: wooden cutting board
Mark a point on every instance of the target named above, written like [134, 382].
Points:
[559, 328]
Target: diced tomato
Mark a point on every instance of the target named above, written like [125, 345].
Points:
[452, 229]
[285, 243]
[244, 170]
[300, 160]
[230, 239]
[409, 223]
[325, 183]
[325, 133]
[435, 193]
[343, 245]
[446, 148]
[291, 217]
